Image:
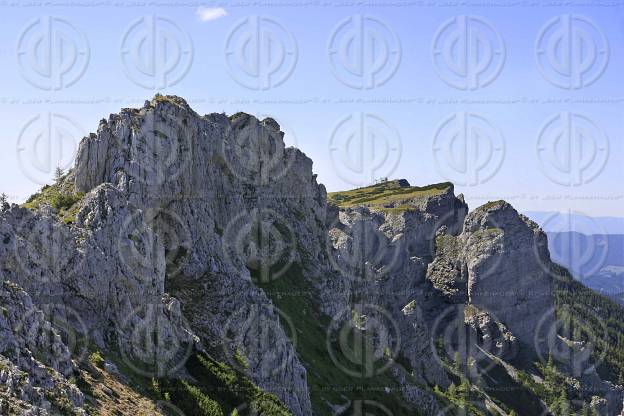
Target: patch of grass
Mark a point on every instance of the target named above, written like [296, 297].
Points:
[390, 196]
[59, 196]
[491, 204]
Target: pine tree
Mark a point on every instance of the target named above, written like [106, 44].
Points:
[4, 199]
[58, 174]
[564, 404]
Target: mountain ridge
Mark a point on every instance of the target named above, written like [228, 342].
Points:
[225, 234]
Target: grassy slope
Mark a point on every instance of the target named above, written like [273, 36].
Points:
[60, 196]
[386, 195]
[580, 304]
[327, 382]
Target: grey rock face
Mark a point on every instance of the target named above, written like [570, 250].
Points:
[381, 257]
[508, 268]
[493, 336]
[500, 264]
[207, 187]
[104, 276]
[32, 385]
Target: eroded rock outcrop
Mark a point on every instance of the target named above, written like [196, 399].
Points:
[207, 184]
[35, 364]
[499, 263]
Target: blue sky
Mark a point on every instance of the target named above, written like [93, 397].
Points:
[412, 113]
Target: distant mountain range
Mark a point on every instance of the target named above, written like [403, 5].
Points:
[591, 248]
[565, 222]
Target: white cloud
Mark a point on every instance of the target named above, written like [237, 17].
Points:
[205, 14]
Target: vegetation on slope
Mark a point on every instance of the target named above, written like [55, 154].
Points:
[217, 389]
[390, 195]
[61, 197]
[580, 306]
[329, 385]
[211, 388]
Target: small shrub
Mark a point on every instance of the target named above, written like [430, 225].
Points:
[96, 359]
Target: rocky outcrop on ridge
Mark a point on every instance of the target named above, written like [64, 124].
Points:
[499, 263]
